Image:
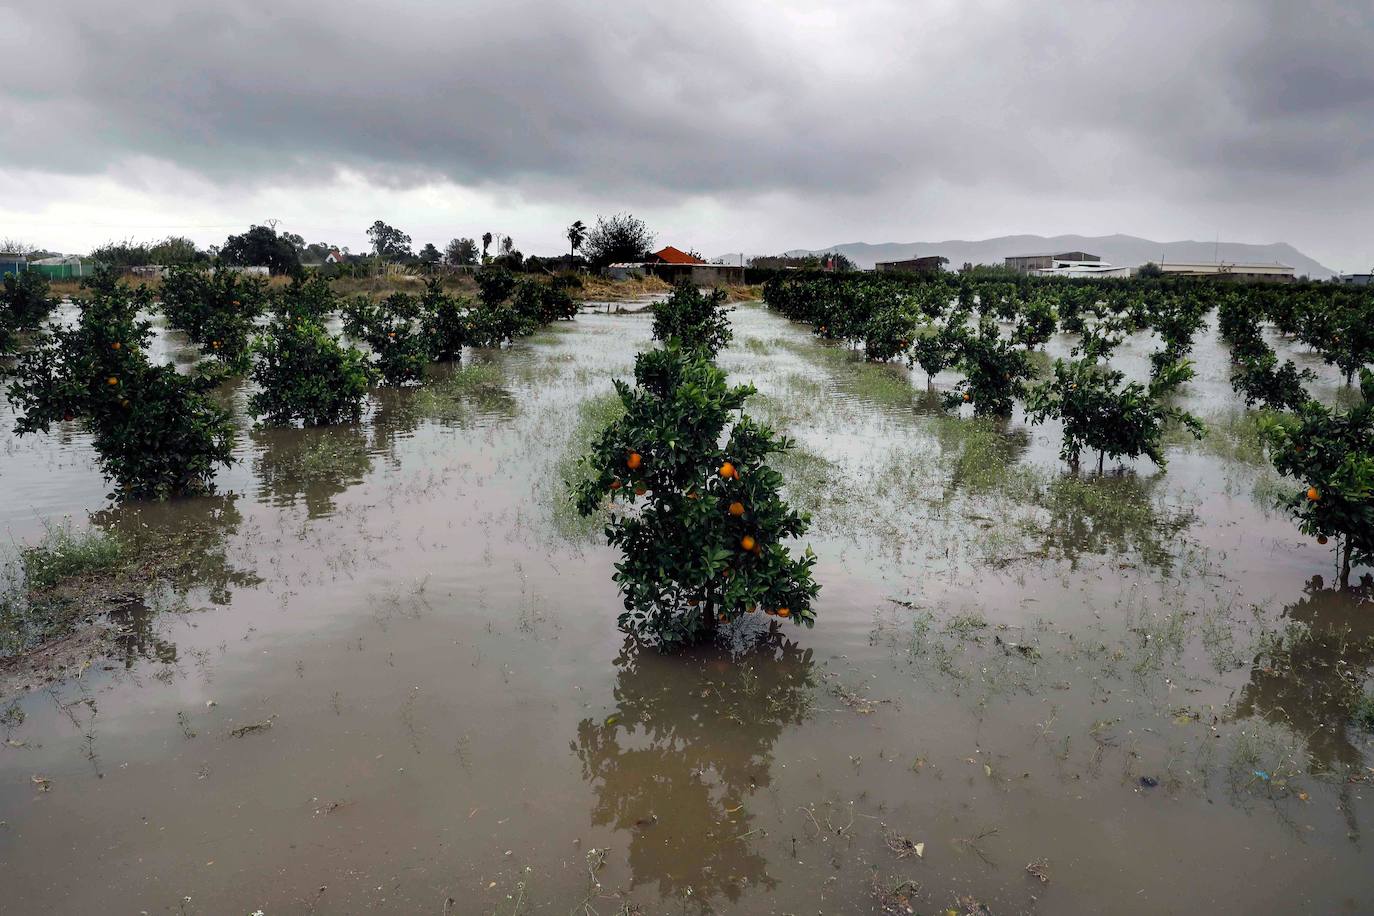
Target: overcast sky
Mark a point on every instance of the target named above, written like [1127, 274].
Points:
[754, 125]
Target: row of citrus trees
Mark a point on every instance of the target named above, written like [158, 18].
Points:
[694, 506]
[987, 329]
[161, 433]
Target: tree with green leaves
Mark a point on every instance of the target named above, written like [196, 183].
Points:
[577, 234]
[703, 526]
[393, 329]
[217, 309]
[1102, 412]
[25, 303]
[461, 253]
[697, 320]
[158, 433]
[1331, 455]
[260, 246]
[618, 238]
[302, 372]
[388, 242]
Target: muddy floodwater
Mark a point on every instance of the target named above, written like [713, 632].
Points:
[387, 676]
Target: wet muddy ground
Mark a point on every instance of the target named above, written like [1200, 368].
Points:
[387, 676]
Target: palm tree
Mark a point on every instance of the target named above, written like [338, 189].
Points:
[577, 232]
[486, 243]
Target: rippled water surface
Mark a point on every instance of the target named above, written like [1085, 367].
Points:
[387, 676]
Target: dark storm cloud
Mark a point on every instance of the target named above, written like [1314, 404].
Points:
[699, 98]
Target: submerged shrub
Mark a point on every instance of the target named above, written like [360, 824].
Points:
[25, 304]
[395, 332]
[1101, 414]
[697, 320]
[156, 431]
[217, 309]
[1331, 454]
[303, 373]
[702, 525]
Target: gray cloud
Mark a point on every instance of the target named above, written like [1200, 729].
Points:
[866, 100]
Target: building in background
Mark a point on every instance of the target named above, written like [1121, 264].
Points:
[12, 263]
[1356, 279]
[1225, 270]
[929, 264]
[71, 267]
[671, 255]
[1025, 263]
[1094, 269]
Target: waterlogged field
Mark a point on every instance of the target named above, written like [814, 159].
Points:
[379, 671]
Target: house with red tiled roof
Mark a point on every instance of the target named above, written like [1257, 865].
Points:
[671, 255]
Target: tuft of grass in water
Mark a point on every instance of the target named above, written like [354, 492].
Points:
[593, 415]
[1233, 437]
[64, 553]
[1363, 713]
[29, 610]
[478, 387]
[880, 384]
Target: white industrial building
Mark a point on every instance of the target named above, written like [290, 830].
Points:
[1062, 267]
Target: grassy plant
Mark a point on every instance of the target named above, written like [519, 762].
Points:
[64, 553]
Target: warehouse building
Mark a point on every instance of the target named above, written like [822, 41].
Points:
[930, 264]
[1226, 270]
[1025, 263]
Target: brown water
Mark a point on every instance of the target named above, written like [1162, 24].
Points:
[1134, 684]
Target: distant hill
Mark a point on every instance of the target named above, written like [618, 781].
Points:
[1120, 250]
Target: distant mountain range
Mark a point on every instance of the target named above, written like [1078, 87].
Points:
[1119, 250]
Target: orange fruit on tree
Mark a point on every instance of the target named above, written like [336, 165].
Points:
[967, 396]
[616, 485]
[112, 381]
[770, 612]
[737, 509]
[1313, 495]
[1321, 539]
[784, 612]
[727, 470]
[640, 490]
[748, 542]
[116, 345]
[634, 461]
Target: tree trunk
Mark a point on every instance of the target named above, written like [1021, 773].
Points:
[1345, 563]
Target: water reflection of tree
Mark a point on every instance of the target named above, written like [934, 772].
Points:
[674, 765]
[182, 545]
[1310, 679]
[1111, 513]
[310, 465]
[981, 455]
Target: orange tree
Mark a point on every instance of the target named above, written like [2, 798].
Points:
[1100, 413]
[1331, 454]
[302, 371]
[698, 320]
[24, 305]
[702, 525]
[217, 310]
[394, 330]
[995, 370]
[446, 324]
[157, 432]
[540, 303]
